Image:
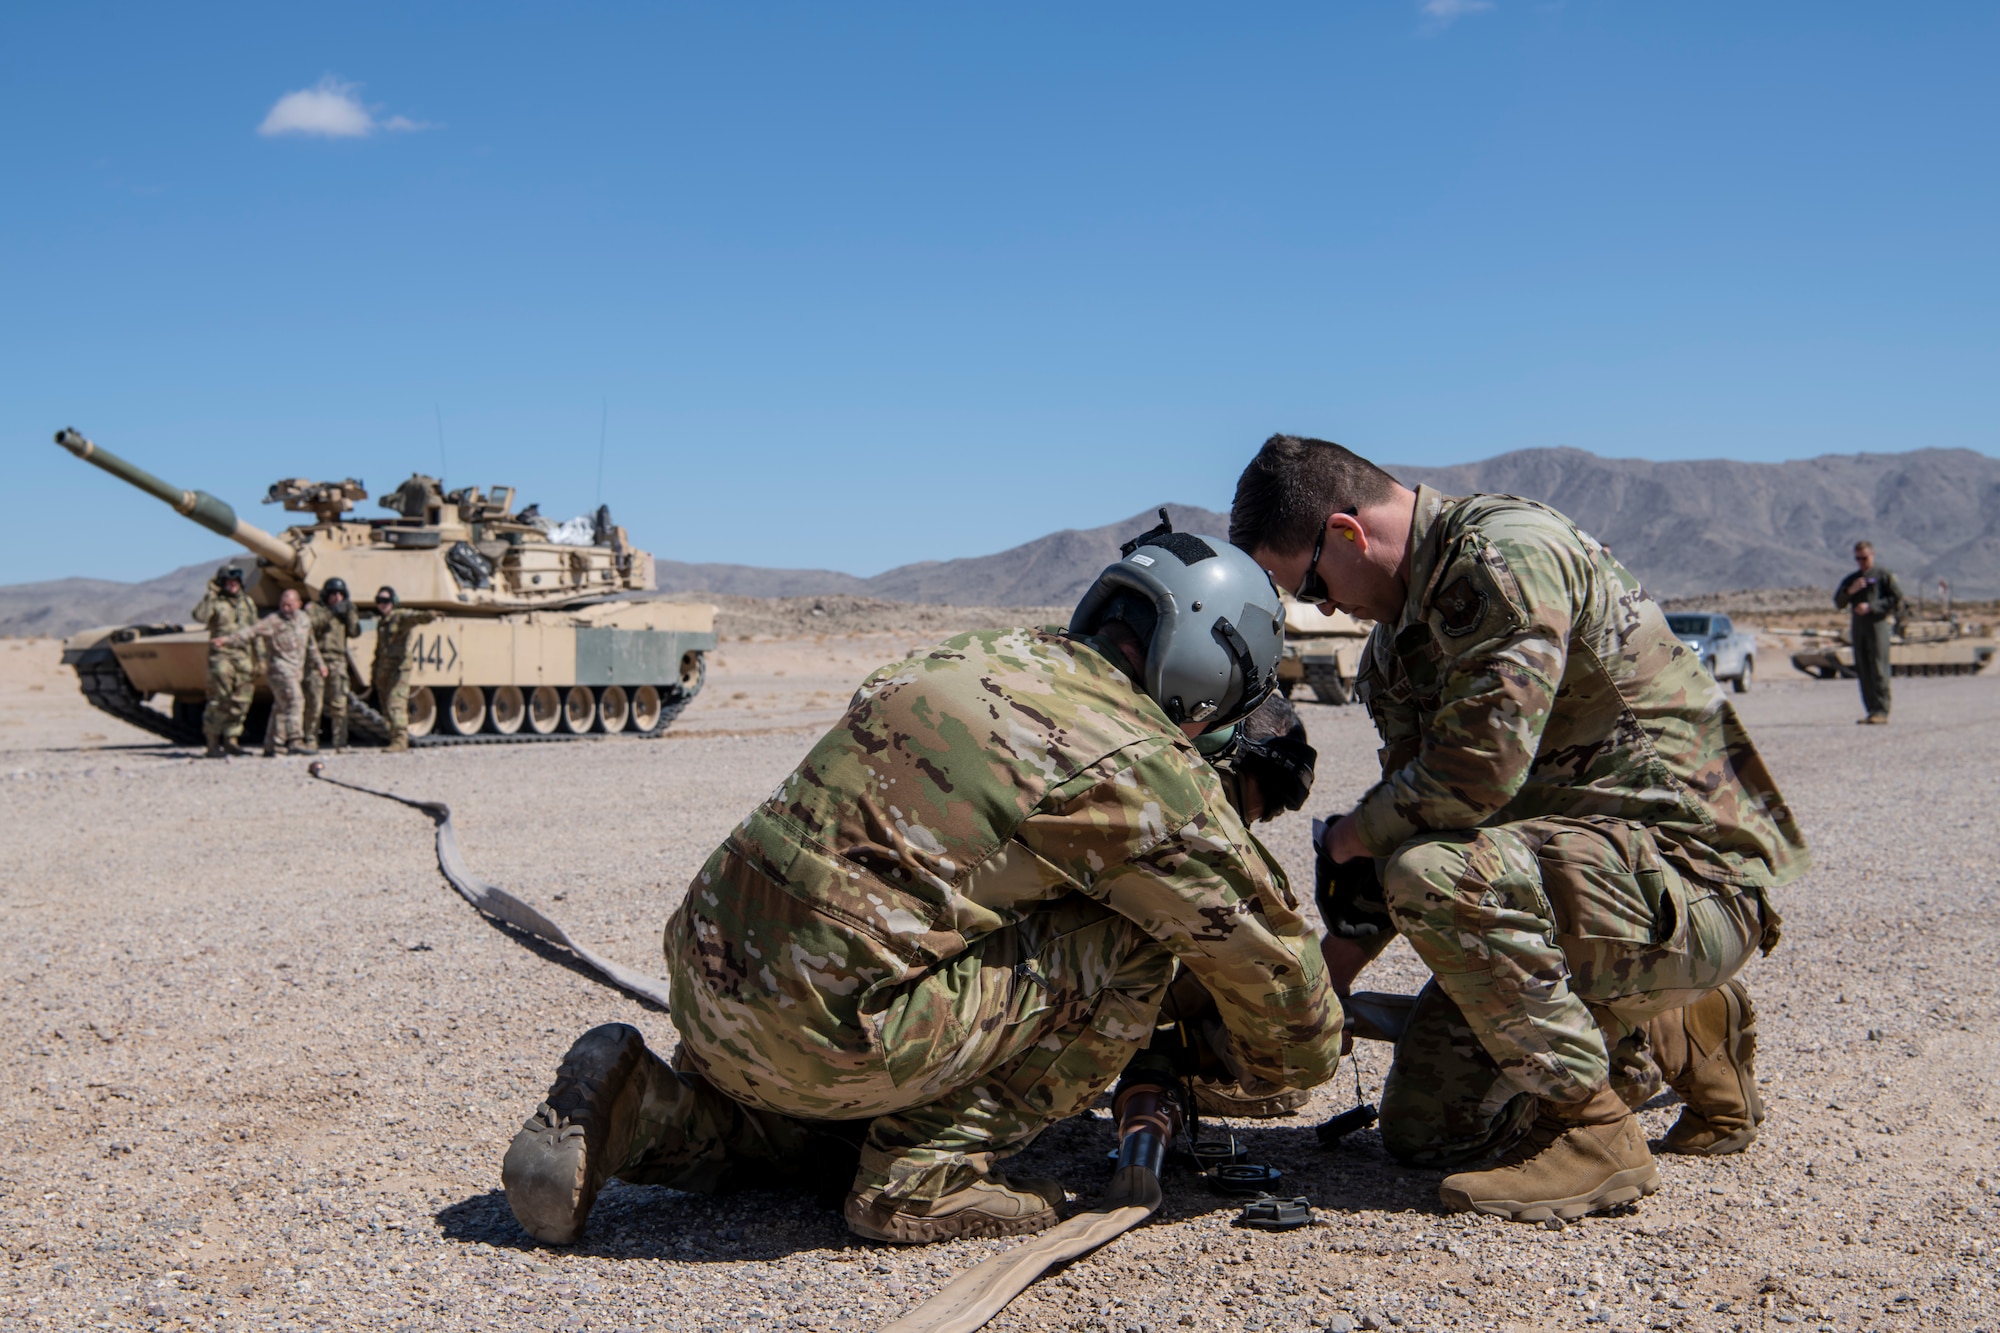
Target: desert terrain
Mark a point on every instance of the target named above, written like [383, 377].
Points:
[266, 1061]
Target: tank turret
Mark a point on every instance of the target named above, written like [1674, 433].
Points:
[464, 550]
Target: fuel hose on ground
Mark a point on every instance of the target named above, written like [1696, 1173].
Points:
[1148, 1119]
[501, 905]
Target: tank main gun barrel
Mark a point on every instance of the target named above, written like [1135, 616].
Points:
[203, 508]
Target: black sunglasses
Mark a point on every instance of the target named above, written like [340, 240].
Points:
[1312, 588]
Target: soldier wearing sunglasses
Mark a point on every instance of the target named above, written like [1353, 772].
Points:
[1572, 829]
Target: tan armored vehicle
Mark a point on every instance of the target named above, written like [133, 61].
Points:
[539, 636]
[1322, 651]
[1940, 647]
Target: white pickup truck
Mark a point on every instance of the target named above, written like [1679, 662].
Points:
[1729, 653]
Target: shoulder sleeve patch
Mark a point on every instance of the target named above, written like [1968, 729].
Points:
[1460, 605]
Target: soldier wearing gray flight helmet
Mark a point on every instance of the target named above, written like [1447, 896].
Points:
[955, 922]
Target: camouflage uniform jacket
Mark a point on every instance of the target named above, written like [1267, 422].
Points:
[963, 789]
[1881, 591]
[392, 638]
[222, 614]
[289, 641]
[333, 631]
[1530, 676]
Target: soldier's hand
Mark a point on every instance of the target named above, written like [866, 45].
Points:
[217, 643]
[1342, 842]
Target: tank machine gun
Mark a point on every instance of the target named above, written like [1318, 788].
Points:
[538, 636]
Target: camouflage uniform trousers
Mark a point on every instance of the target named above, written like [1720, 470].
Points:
[1057, 1004]
[1550, 942]
[1871, 636]
[285, 729]
[327, 696]
[232, 677]
[392, 696]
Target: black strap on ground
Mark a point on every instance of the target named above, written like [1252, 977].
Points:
[501, 905]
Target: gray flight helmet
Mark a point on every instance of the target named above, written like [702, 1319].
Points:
[1219, 626]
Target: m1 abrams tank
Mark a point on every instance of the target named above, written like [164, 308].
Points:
[1321, 651]
[1941, 647]
[538, 637]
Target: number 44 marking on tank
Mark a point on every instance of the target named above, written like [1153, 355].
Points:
[431, 652]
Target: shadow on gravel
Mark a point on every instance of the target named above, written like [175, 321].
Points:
[1357, 1177]
[561, 957]
[652, 1222]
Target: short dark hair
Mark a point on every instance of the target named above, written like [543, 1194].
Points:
[1864, 545]
[1284, 496]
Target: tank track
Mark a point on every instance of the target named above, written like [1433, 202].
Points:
[106, 687]
[364, 721]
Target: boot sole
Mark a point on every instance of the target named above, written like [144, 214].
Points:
[545, 1186]
[1627, 1186]
[903, 1229]
[552, 1176]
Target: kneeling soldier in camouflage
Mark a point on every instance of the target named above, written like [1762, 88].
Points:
[955, 921]
[1573, 830]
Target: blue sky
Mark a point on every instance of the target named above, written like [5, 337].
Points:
[865, 283]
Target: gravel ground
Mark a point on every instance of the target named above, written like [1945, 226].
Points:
[267, 1062]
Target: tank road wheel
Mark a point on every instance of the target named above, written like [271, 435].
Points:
[647, 710]
[694, 671]
[468, 711]
[579, 710]
[1745, 677]
[614, 708]
[423, 711]
[510, 709]
[544, 710]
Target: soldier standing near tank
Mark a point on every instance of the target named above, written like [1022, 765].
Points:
[334, 622]
[232, 667]
[1572, 829]
[1873, 600]
[288, 639]
[392, 670]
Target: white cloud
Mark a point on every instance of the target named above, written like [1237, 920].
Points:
[1441, 14]
[331, 110]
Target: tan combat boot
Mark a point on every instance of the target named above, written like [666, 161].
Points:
[1708, 1053]
[1230, 1098]
[996, 1206]
[1575, 1161]
[581, 1134]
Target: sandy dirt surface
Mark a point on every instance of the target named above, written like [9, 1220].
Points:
[265, 1063]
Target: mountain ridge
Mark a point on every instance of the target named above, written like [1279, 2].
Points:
[1684, 527]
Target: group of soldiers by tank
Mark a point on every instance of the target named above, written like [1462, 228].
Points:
[1873, 600]
[304, 656]
[1019, 868]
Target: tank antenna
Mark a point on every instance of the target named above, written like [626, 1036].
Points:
[443, 465]
[603, 428]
